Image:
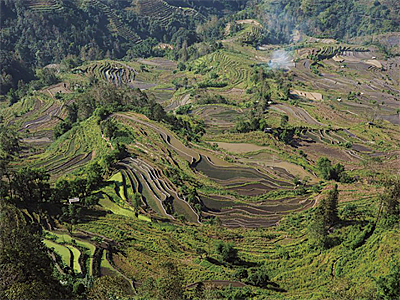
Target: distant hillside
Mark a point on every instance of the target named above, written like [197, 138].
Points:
[330, 18]
[39, 32]
[35, 33]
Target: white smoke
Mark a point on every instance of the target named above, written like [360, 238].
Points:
[281, 60]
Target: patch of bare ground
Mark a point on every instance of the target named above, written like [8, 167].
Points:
[62, 87]
[309, 95]
[249, 21]
[233, 92]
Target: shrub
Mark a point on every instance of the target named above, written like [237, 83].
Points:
[258, 277]
[227, 251]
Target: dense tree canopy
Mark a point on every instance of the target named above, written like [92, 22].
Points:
[25, 267]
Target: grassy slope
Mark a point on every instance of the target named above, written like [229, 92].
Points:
[291, 260]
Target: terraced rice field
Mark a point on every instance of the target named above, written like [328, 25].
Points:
[233, 67]
[76, 254]
[107, 204]
[243, 180]
[73, 243]
[160, 189]
[113, 72]
[297, 112]
[266, 213]
[105, 267]
[61, 250]
[170, 140]
[162, 11]
[72, 150]
[43, 5]
[347, 69]
[116, 23]
[218, 117]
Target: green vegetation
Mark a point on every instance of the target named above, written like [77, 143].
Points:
[61, 250]
[199, 150]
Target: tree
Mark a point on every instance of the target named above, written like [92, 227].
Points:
[136, 201]
[94, 177]
[324, 217]
[31, 185]
[324, 166]
[390, 199]
[330, 206]
[286, 136]
[9, 143]
[184, 51]
[318, 229]
[328, 172]
[258, 276]
[227, 251]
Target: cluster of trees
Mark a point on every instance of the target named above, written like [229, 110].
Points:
[25, 268]
[227, 252]
[325, 216]
[254, 124]
[256, 276]
[390, 201]
[332, 172]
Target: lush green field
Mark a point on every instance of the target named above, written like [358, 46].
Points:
[61, 250]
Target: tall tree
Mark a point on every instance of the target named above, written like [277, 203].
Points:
[330, 206]
[318, 228]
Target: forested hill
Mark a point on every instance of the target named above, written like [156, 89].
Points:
[337, 19]
[35, 33]
[39, 32]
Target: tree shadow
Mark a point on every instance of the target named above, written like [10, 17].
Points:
[275, 287]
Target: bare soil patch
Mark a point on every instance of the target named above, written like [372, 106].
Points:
[309, 95]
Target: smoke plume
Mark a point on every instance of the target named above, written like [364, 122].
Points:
[281, 60]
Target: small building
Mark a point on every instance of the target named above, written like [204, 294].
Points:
[268, 130]
[73, 200]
